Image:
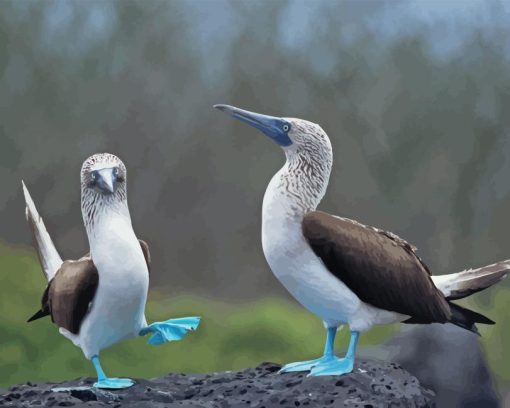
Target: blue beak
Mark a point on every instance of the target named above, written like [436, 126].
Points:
[275, 128]
[106, 181]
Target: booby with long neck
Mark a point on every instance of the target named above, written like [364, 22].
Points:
[99, 300]
[341, 270]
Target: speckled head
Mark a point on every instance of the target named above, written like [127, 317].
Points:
[293, 135]
[103, 185]
[307, 148]
[104, 174]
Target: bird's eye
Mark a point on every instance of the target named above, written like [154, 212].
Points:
[117, 175]
[93, 175]
[286, 128]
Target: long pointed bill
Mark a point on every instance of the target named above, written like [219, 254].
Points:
[276, 128]
[106, 180]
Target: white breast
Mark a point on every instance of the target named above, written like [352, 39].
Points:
[304, 274]
[117, 311]
[296, 266]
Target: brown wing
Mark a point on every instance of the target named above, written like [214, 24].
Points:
[69, 293]
[146, 253]
[379, 267]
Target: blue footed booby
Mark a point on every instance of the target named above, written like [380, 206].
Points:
[99, 299]
[345, 272]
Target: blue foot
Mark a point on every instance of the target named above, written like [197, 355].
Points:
[114, 383]
[328, 364]
[336, 366]
[170, 330]
[306, 365]
[109, 383]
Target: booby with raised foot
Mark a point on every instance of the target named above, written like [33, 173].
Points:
[99, 299]
[343, 271]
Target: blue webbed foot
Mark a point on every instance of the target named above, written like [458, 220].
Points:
[170, 330]
[336, 366]
[109, 383]
[328, 364]
[306, 365]
[114, 383]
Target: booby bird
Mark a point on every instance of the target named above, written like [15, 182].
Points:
[99, 299]
[343, 271]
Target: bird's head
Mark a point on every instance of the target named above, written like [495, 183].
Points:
[295, 136]
[103, 174]
[103, 188]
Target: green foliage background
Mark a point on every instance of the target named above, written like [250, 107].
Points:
[231, 336]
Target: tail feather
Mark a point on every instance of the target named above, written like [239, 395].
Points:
[38, 315]
[48, 255]
[462, 284]
[466, 318]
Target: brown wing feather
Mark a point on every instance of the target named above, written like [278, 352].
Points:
[69, 293]
[146, 253]
[379, 267]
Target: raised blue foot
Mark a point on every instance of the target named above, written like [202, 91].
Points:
[306, 365]
[114, 383]
[170, 330]
[109, 383]
[336, 366]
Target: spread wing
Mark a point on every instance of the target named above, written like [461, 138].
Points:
[382, 269]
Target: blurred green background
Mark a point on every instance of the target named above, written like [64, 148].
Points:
[415, 96]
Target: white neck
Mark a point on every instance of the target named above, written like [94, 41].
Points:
[98, 219]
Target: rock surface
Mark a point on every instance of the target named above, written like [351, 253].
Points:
[372, 384]
[445, 358]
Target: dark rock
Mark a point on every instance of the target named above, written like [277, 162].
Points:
[372, 384]
[446, 359]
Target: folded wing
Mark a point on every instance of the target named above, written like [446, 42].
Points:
[382, 269]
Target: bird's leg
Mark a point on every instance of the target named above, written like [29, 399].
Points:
[170, 330]
[339, 366]
[329, 355]
[109, 383]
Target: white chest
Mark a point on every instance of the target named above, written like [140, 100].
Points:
[296, 266]
[118, 308]
[117, 254]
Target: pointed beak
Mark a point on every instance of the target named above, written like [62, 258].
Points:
[271, 126]
[107, 181]
[257, 120]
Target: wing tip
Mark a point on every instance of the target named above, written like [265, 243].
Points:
[29, 203]
[25, 190]
[38, 315]
[31, 213]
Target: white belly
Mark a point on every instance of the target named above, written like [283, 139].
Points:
[117, 311]
[304, 275]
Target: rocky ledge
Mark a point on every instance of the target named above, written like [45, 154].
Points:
[372, 384]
